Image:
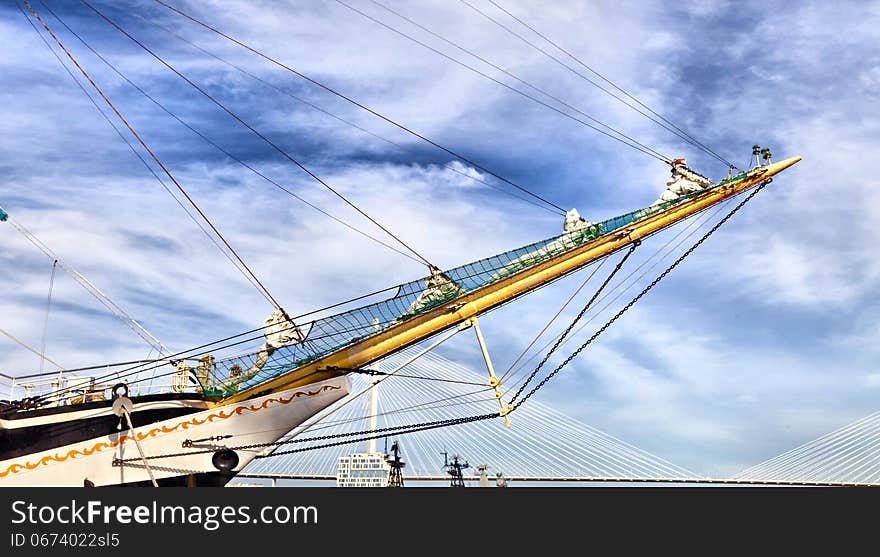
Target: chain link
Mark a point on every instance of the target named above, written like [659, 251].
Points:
[370, 434]
[412, 428]
[589, 304]
[632, 302]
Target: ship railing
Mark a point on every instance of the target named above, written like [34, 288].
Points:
[65, 389]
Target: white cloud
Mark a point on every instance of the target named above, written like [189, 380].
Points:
[677, 376]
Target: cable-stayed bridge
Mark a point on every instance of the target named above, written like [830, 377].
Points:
[849, 455]
[543, 445]
[542, 442]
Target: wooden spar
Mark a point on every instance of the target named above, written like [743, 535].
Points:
[487, 297]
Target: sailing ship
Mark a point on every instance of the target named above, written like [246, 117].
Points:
[219, 413]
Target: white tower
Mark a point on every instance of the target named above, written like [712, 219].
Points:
[369, 469]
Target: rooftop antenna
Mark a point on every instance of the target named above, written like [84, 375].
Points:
[454, 469]
[395, 477]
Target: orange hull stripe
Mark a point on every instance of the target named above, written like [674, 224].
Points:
[219, 415]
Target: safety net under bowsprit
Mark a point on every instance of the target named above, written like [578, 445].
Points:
[326, 335]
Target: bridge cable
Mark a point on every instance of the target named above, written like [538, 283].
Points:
[359, 105]
[256, 132]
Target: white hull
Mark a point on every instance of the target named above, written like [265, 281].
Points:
[259, 420]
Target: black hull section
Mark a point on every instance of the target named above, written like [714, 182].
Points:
[12, 414]
[202, 479]
[21, 441]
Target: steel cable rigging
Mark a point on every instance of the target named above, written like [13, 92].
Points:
[577, 318]
[696, 224]
[554, 318]
[325, 441]
[611, 83]
[259, 134]
[620, 136]
[217, 146]
[662, 122]
[138, 329]
[639, 296]
[263, 290]
[251, 75]
[357, 104]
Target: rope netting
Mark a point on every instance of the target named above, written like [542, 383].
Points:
[326, 335]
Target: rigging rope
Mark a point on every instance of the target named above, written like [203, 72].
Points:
[143, 144]
[88, 368]
[641, 294]
[673, 129]
[218, 147]
[259, 134]
[28, 348]
[553, 319]
[424, 426]
[642, 148]
[287, 93]
[628, 141]
[46, 321]
[574, 322]
[606, 80]
[138, 329]
[689, 137]
[695, 224]
[358, 104]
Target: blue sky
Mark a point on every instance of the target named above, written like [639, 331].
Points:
[766, 337]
